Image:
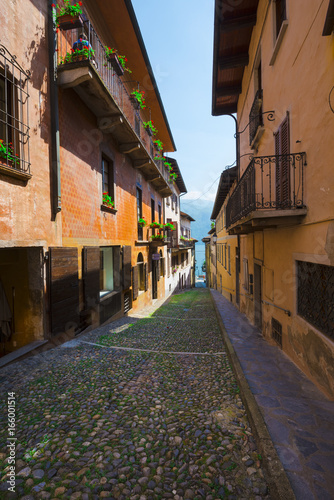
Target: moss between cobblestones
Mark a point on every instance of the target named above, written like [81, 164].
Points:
[137, 423]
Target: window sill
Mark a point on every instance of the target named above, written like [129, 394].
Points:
[141, 243]
[107, 294]
[105, 208]
[278, 42]
[13, 172]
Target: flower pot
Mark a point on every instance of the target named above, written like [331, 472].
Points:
[149, 131]
[116, 65]
[135, 103]
[68, 22]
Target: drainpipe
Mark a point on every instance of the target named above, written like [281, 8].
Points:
[55, 157]
[237, 143]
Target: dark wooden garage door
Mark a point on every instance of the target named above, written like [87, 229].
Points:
[64, 289]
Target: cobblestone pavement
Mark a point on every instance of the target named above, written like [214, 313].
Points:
[299, 418]
[93, 421]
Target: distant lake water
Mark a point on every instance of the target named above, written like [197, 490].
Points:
[200, 257]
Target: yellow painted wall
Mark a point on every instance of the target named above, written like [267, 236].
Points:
[299, 81]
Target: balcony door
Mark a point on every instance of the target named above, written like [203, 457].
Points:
[282, 147]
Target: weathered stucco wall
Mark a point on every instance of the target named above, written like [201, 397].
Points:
[298, 81]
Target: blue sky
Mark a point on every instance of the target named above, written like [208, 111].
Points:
[178, 36]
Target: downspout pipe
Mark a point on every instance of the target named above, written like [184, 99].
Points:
[55, 155]
[237, 143]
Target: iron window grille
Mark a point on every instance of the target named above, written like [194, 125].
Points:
[14, 113]
[276, 331]
[315, 296]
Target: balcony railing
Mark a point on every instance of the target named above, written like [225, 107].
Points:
[269, 183]
[115, 85]
[255, 116]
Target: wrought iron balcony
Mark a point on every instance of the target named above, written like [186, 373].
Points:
[270, 192]
[255, 116]
[92, 76]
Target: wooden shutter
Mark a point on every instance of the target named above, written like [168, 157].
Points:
[135, 286]
[117, 267]
[64, 289]
[91, 276]
[163, 264]
[146, 276]
[158, 269]
[126, 267]
[285, 168]
[175, 235]
[282, 147]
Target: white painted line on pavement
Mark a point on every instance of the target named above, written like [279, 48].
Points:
[156, 352]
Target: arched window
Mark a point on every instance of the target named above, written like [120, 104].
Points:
[141, 277]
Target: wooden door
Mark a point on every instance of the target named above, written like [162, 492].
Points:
[63, 289]
[257, 296]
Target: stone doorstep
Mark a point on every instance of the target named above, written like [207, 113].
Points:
[15, 355]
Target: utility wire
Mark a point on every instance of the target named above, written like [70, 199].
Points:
[193, 201]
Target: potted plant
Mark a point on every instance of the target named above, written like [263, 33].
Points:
[117, 61]
[78, 55]
[150, 128]
[168, 165]
[172, 176]
[169, 226]
[156, 225]
[157, 238]
[138, 99]
[158, 144]
[69, 16]
[107, 200]
[142, 222]
[7, 153]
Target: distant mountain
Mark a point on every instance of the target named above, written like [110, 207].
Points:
[200, 211]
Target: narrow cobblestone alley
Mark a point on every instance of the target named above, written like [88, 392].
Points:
[106, 417]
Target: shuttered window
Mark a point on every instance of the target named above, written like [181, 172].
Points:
[280, 14]
[282, 147]
[64, 289]
[146, 276]
[91, 276]
[108, 178]
[135, 283]
[126, 267]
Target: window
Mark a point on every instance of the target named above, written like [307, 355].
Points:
[315, 295]
[141, 274]
[246, 276]
[229, 259]
[280, 24]
[152, 210]
[276, 331]
[108, 178]
[139, 212]
[14, 122]
[225, 256]
[137, 124]
[159, 213]
[280, 14]
[168, 201]
[106, 270]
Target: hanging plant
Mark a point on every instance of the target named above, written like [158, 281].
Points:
[142, 222]
[138, 95]
[169, 226]
[117, 61]
[150, 127]
[159, 145]
[69, 16]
